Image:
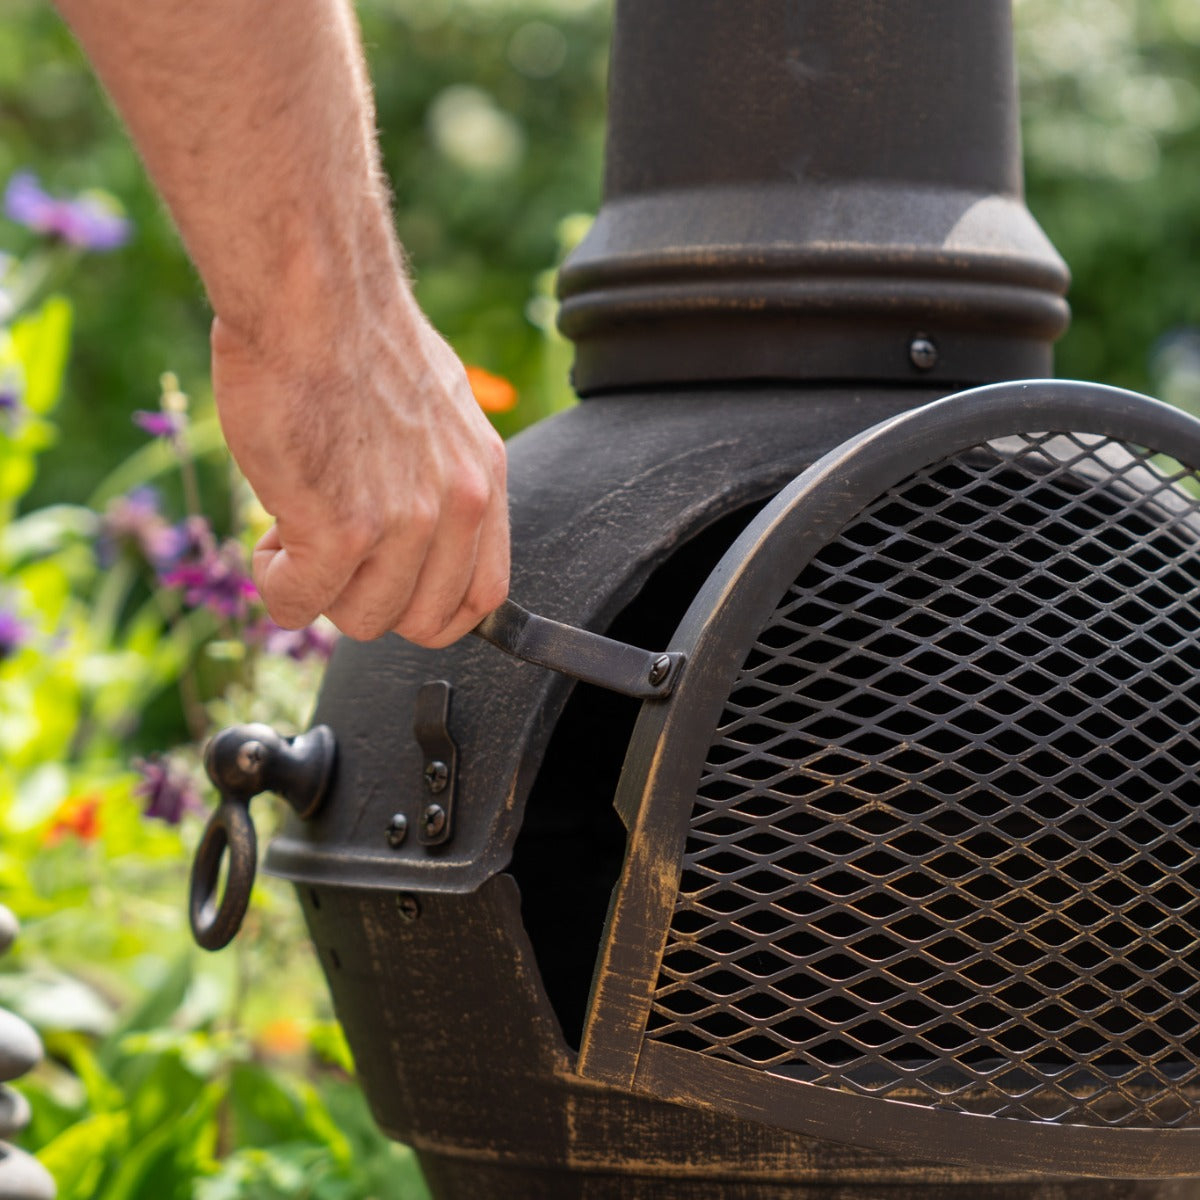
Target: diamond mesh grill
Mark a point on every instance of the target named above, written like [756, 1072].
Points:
[944, 846]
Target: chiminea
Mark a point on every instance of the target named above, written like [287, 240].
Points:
[869, 843]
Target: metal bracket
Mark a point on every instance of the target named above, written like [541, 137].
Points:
[643, 674]
[431, 725]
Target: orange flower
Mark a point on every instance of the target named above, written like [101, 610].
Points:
[282, 1037]
[494, 393]
[78, 816]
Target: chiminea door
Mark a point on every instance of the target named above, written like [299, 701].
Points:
[912, 850]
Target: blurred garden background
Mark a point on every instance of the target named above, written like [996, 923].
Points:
[128, 630]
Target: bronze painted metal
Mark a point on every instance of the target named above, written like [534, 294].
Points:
[242, 762]
[812, 191]
[807, 232]
[580, 654]
[245, 760]
[930, 791]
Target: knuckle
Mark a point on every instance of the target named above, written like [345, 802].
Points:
[484, 597]
[421, 630]
[421, 518]
[472, 495]
[497, 458]
[359, 539]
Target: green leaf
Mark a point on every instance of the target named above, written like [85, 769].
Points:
[42, 339]
[45, 530]
[79, 1155]
[156, 1009]
[102, 1094]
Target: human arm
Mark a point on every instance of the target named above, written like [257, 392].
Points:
[350, 417]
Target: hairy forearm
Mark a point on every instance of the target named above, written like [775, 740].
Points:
[255, 121]
[352, 420]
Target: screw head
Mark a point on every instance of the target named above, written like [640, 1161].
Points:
[250, 756]
[437, 775]
[397, 830]
[659, 669]
[922, 353]
[434, 819]
[408, 906]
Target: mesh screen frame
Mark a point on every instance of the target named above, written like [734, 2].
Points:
[624, 1039]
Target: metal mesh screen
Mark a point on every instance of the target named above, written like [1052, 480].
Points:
[944, 846]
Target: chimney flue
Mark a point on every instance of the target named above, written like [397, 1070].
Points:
[798, 190]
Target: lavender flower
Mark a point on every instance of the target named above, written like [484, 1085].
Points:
[168, 790]
[13, 634]
[197, 541]
[315, 641]
[85, 222]
[217, 581]
[135, 520]
[160, 424]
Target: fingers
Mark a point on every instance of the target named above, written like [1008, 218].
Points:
[297, 583]
[378, 593]
[386, 481]
[433, 589]
[451, 599]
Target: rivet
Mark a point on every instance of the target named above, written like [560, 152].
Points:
[922, 353]
[435, 819]
[659, 669]
[437, 775]
[397, 830]
[408, 906]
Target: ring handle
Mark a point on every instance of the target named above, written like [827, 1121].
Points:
[216, 920]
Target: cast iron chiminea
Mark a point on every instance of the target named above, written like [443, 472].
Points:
[869, 844]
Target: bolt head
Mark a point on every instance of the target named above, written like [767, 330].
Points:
[922, 353]
[660, 668]
[437, 775]
[397, 830]
[434, 820]
[408, 906]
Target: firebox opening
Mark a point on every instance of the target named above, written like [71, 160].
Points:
[568, 855]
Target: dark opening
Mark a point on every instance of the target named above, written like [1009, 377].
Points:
[568, 854]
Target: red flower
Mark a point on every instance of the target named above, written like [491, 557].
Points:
[77, 816]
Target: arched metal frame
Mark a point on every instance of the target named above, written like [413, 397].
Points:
[658, 787]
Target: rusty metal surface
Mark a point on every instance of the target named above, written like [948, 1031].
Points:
[790, 193]
[460, 1056]
[921, 818]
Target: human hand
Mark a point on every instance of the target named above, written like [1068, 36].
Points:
[385, 480]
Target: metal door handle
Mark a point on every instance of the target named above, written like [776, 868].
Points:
[644, 674]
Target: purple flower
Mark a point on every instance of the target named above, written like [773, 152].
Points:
[216, 580]
[160, 424]
[13, 634]
[135, 520]
[168, 790]
[11, 408]
[315, 641]
[85, 221]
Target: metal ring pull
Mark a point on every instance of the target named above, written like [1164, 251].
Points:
[215, 922]
[243, 761]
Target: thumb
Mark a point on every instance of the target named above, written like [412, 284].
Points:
[292, 583]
